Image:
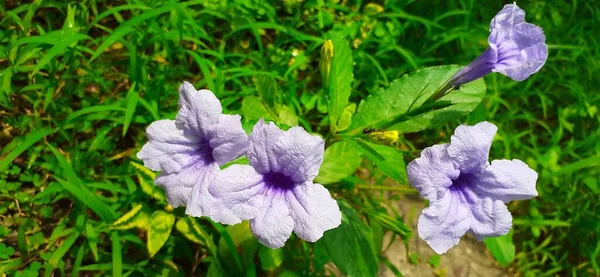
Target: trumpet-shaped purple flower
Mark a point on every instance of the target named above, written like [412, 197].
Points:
[189, 149]
[276, 192]
[516, 49]
[466, 192]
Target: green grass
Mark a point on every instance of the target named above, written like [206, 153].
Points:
[80, 82]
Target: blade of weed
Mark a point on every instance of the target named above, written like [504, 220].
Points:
[29, 140]
[58, 48]
[62, 250]
[128, 26]
[132, 100]
[117, 259]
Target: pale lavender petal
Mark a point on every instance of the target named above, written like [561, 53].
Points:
[168, 148]
[491, 218]
[443, 223]
[261, 153]
[227, 139]
[506, 18]
[300, 154]
[201, 201]
[524, 63]
[239, 191]
[470, 146]
[433, 172]
[273, 224]
[179, 185]
[520, 46]
[178, 194]
[506, 180]
[313, 210]
[516, 49]
[199, 110]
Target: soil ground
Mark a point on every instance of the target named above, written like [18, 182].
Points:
[468, 259]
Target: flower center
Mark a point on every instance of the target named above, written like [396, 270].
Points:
[461, 187]
[204, 152]
[278, 180]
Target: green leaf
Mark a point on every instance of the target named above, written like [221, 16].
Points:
[159, 231]
[340, 160]
[287, 115]
[267, 89]
[340, 79]
[502, 248]
[130, 25]
[117, 255]
[136, 217]
[399, 107]
[75, 186]
[254, 109]
[270, 259]
[388, 159]
[350, 246]
[92, 238]
[58, 48]
[194, 232]
[62, 250]
[24, 144]
[147, 185]
[346, 118]
[132, 100]
[215, 269]
[395, 225]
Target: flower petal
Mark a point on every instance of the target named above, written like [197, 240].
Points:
[506, 180]
[491, 218]
[300, 154]
[524, 63]
[521, 47]
[443, 223]
[168, 148]
[227, 139]
[509, 16]
[179, 185]
[470, 146]
[201, 201]
[433, 172]
[199, 110]
[239, 192]
[273, 224]
[261, 153]
[313, 211]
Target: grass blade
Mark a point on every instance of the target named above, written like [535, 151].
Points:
[62, 250]
[29, 140]
[132, 100]
[127, 27]
[117, 259]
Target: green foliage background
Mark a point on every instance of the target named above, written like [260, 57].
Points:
[80, 82]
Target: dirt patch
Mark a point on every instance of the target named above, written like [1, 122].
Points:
[468, 259]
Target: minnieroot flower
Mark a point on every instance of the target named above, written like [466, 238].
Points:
[190, 149]
[516, 49]
[276, 192]
[466, 192]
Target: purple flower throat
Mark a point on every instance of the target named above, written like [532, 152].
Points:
[278, 181]
[461, 187]
[205, 152]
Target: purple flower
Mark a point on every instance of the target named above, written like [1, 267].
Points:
[516, 49]
[466, 192]
[276, 192]
[190, 149]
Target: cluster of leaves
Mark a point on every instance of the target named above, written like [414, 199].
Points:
[80, 82]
